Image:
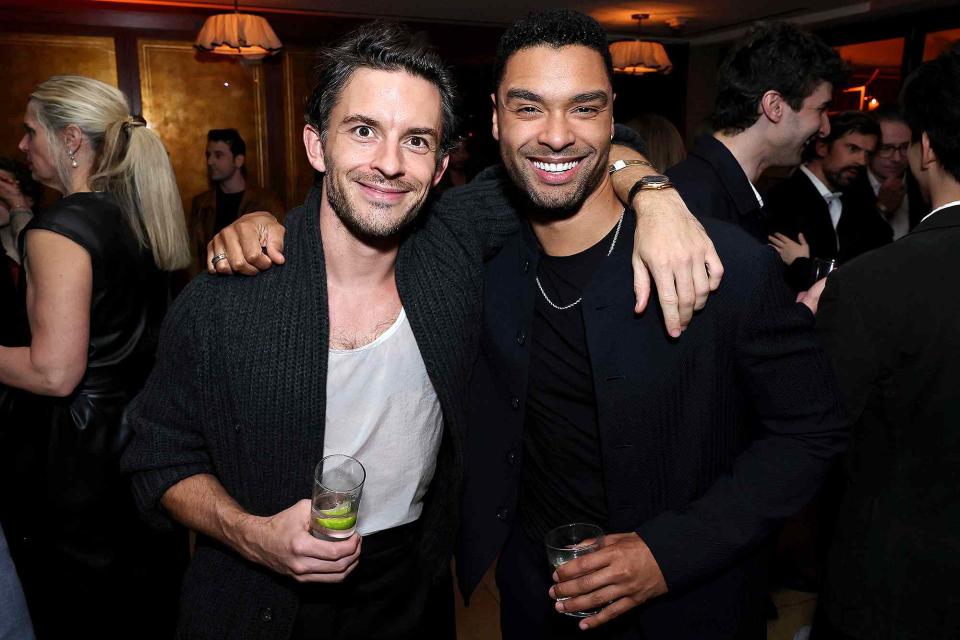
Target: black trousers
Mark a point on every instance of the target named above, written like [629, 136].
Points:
[526, 608]
[387, 597]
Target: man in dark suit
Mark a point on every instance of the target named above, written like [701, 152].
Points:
[583, 411]
[773, 93]
[889, 321]
[809, 214]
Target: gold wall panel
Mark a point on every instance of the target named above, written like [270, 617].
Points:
[298, 65]
[27, 59]
[186, 93]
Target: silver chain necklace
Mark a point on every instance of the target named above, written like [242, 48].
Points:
[616, 234]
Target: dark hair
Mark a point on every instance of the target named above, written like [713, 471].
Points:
[775, 56]
[555, 28]
[28, 186]
[232, 139]
[931, 104]
[888, 113]
[840, 125]
[383, 46]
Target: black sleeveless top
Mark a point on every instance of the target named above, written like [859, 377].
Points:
[129, 295]
[80, 506]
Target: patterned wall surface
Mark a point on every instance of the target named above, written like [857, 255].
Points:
[29, 59]
[186, 93]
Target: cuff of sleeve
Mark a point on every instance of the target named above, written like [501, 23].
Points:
[150, 486]
[670, 543]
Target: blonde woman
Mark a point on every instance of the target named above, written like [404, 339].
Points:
[95, 264]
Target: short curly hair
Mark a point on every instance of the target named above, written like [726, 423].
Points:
[554, 28]
[774, 56]
[931, 104]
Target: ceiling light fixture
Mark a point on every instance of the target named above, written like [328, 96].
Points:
[244, 35]
[640, 56]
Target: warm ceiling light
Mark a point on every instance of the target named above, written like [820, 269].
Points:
[640, 56]
[238, 34]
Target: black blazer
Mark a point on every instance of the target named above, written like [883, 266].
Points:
[682, 464]
[795, 206]
[713, 184]
[890, 322]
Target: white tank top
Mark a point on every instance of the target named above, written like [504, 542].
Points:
[382, 410]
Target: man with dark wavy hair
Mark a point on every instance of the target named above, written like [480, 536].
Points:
[773, 90]
[889, 322]
[350, 347]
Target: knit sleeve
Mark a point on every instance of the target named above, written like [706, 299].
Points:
[168, 444]
[793, 392]
[485, 211]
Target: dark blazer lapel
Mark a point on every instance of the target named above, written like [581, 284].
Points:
[508, 302]
[823, 237]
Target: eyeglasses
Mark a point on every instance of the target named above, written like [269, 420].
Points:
[887, 150]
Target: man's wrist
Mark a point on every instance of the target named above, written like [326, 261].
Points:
[624, 179]
[649, 184]
[240, 530]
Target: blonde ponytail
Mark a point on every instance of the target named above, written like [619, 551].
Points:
[130, 161]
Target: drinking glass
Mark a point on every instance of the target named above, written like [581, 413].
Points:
[572, 541]
[822, 267]
[337, 488]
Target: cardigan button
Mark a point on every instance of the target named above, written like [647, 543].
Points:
[526, 265]
[520, 337]
[515, 402]
[266, 614]
[236, 427]
[512, 458]
[502, 514]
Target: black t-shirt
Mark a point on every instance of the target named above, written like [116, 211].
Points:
[228, 208]
[562, 477]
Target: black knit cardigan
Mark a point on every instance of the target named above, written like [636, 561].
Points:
[239, 391]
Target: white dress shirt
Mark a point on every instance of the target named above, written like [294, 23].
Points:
[834, 204]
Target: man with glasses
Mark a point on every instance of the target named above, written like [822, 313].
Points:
[896, 191]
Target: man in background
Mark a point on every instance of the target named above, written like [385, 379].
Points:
[230, 195]
[898, 197]
[773, 90]
[888, 321]
[812, 214]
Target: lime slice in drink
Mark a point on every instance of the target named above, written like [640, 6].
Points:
[341, 509]
[338, 523]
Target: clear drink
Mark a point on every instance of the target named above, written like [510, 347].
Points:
[572, 541]
[333, 520]
[337, 489]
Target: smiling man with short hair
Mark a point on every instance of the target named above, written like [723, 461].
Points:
[583, 411]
